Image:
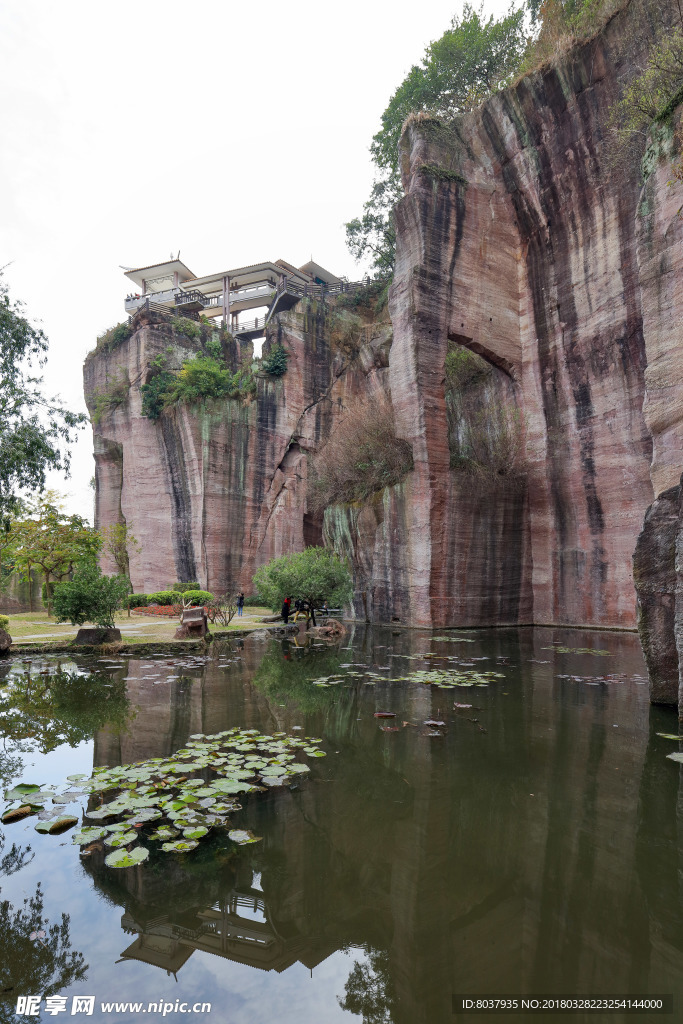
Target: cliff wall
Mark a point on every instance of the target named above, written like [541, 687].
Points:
[525, 238]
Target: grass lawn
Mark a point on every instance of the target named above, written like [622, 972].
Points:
[38, 627]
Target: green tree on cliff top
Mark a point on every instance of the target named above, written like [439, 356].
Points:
[472, 59]
[34, 430]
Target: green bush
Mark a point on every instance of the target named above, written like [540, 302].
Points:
[197, 597]
[165, 597]
[89, 597]
[114, 337]
[253, 602]
[4, 621]
[183, 325]
[136, 601]
[180, 588]
[111, 397]
[199, 378]
[213, 347]
[154, 394]
[275, 362]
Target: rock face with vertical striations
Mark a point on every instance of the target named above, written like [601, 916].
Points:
[532, 361]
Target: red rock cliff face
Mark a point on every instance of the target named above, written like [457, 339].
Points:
[212, 491]
[522, 239]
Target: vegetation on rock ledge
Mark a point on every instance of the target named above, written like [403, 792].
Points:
[362, 456]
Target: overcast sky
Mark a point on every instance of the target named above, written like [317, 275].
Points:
[235, 133]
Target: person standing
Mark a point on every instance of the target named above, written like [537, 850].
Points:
[285, 609]
[240, 604]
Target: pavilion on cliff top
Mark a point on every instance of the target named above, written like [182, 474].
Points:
[274, 286]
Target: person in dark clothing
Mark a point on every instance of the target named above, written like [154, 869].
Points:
[286, 604]
[240, 604]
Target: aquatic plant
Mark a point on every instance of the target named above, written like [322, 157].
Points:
[175, 796]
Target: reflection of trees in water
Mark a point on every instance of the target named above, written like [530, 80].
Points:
[61, 707]
[369, 989]
[28, 966]
[287, 673]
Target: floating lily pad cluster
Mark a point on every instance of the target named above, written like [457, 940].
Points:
[577, 650]
[448, 678]
[176, 801]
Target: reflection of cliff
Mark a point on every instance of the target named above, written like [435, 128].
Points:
[520, 858]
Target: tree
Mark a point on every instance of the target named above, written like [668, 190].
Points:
[34, 430]
[90, 597]
[54, 543]
[118, 542]
[314, 574]
[468, 63]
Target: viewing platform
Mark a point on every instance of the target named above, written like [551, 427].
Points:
[171, 287]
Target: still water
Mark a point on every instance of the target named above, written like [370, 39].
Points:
[529, 844]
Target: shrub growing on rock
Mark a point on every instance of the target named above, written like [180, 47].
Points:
[363, 455]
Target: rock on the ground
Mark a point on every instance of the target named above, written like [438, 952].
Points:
[96, 635]
[5, 641]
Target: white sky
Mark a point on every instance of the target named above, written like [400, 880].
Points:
[234, 133]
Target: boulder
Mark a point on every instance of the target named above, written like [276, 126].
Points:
[5, 642]
[97, 635]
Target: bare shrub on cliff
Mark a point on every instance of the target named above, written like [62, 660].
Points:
[363, 455]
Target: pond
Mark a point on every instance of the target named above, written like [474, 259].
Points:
[518, 835]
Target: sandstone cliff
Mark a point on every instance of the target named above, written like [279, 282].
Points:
[522, 238]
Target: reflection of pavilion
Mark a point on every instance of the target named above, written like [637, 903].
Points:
[238, 928]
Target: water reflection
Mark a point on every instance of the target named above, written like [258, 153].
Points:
[529, 845]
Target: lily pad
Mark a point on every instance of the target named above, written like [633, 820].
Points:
[16, 814]
[116, 839]
[195, 833]
[670, 736]
[242, 837]
[180, 846]
[675, 757]
[88, 835]
[126, 858]
[164, 832]
[21, 792]
[56, 826]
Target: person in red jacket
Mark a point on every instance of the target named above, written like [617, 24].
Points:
[285, 609]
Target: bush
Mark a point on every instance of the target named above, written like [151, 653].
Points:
[136, 601]
[362, 456]
[89, 597]
[253, 602]
[275, 362]
[114, 337]
[166, 597]
[112, 397]
[183, 325]
[180, 588]
[198, 379]
[154, 393]
[197, 597]
[4, 621]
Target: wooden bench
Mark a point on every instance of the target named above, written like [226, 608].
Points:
[196, 621]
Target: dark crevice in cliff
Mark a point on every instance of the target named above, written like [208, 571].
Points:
[174, 457]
